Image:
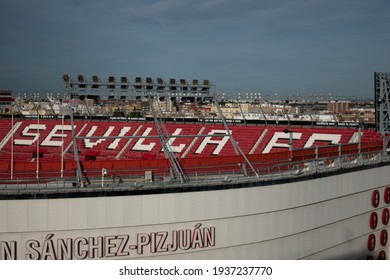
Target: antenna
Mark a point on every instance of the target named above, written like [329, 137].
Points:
[70, 50]
[70, 110]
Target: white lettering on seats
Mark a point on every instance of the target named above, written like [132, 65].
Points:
[333, 138]
[25, 132]
[207, 140]
[141, 147]
[175, 149]
[115, 143]
[280, 135]
[90, 144]
[53, 134]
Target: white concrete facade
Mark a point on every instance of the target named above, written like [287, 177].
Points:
[326, 218]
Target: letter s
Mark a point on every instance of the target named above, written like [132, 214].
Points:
[32, 247]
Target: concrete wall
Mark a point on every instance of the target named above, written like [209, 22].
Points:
[324, 218]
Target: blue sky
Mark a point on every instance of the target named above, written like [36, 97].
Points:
[277, 46]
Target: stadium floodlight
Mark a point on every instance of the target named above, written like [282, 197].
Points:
[161, 84]
[138, 83]
[194, 86]
[81, 78]
[67, 81]
[183, 82]
[172, 84]
[82, 81]
[95, 79]
[205, 87]
[96, 82]
[149, 83]
[124, 83]
[111, 82]
[184, 86]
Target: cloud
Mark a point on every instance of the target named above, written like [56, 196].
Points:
[249, 42]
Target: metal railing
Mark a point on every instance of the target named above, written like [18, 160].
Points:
[211, 177]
